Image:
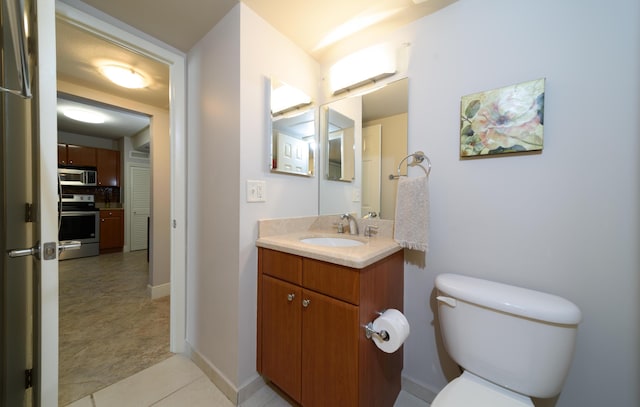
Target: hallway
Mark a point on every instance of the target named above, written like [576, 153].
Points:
[109, 327]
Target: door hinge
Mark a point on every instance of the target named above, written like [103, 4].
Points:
[28, 212]
[28, 378]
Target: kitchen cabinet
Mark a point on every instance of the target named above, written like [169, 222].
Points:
[77, 156]
[108, 167]
[111, 230]
[311, 341]
[106, 162]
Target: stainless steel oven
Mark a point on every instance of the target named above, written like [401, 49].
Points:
[79, 221]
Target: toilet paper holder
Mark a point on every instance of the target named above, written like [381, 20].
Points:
[370, 332]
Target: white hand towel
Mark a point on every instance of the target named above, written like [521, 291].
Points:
[412, 213]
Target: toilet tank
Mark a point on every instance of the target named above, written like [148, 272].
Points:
[517, 338]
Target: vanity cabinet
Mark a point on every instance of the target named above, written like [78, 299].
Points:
[111, 230]
[311, 341]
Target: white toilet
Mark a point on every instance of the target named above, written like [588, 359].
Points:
[513, 343]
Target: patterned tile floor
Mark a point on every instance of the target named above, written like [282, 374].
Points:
[109, 327]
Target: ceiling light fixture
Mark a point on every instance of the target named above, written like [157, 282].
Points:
[83, 115]
[124, 76]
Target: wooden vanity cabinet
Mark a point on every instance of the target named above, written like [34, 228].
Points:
[311, 343]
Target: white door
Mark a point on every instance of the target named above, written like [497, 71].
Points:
[293, 154]
[29, 206]
[371, 157]
[140, 202]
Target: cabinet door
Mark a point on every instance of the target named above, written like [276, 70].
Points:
[80, 156]
[108, 167]
[62, 154]
[111, 230]
[329, 351]
[281, 313]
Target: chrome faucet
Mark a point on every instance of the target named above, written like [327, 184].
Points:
[353, 225]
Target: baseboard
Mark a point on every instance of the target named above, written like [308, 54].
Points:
[158, 291]
[216, 377]
[418, 390]
[236, 396]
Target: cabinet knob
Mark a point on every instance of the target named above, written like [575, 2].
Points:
[102, 220]
[290, 297]
[305, 303]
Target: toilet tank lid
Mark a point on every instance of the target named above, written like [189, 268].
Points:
[511, 299]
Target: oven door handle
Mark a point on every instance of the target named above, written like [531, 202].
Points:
[68, 245]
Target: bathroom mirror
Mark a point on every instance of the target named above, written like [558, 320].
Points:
[379, 144]
[340, 146]
[293, 131]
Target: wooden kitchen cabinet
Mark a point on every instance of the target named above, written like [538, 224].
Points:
[108, 167]
[111, 230]
[76, 156]
[311, 343]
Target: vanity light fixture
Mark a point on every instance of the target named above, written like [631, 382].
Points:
[285, 98]
[83, 115]
[124, 76]
[366, 66]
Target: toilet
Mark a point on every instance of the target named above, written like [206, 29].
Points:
[511, 342]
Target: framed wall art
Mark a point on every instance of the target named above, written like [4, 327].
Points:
[503, 121]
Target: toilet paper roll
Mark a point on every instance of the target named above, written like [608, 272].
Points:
[396, 325]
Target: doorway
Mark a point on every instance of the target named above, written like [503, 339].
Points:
[171, 240]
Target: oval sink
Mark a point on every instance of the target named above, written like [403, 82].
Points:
[332, 241]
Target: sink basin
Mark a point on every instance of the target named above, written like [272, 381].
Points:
[332, 241]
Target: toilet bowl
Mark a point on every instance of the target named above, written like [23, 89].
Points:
[513, 343]
[471, 390]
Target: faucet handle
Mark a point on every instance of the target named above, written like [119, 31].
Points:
[369, 229]
[340, 227]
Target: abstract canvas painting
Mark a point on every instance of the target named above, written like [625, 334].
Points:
[504, 120]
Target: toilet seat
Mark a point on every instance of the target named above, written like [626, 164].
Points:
[471, 390]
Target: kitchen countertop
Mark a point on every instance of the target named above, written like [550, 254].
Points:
[285, 234]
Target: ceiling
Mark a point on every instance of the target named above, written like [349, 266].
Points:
[306, 22]
[182, 23]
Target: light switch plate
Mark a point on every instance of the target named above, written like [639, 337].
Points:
[256, 191]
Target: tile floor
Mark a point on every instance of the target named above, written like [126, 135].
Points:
[178, 382]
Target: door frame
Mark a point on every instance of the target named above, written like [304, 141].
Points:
[177, 88]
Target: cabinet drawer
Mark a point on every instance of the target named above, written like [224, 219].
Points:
[111, 213]
[331, 279]
[284, 266]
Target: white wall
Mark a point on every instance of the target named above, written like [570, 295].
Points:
[565, 221]
[213, 151]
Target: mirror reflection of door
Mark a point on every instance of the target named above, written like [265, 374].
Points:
[371, 169]
[340, 146]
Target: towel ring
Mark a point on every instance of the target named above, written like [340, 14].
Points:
[418, 158]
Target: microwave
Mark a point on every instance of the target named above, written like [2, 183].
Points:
[77, 176]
